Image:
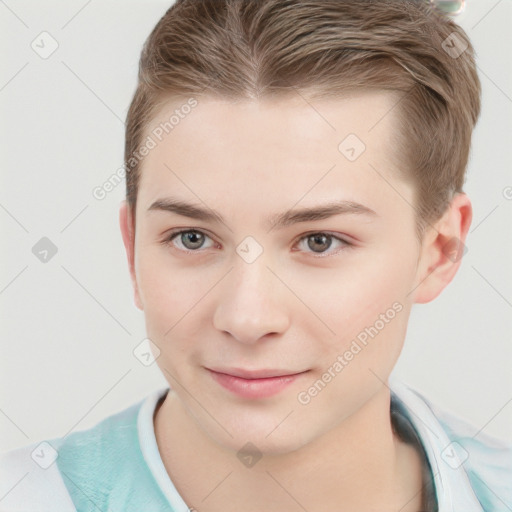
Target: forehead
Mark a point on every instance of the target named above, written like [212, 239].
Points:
[292, 120]
[221, 148]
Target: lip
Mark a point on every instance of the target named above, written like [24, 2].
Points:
[254, 374]
[254, 383]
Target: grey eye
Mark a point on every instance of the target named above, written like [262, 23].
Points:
[319, 242]
[192, 239]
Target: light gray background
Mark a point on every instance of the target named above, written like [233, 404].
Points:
[69, 326]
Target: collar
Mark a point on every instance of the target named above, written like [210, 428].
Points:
[452, 486]
[149, 448]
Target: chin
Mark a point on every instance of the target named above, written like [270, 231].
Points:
[265, 436]
[258, 444]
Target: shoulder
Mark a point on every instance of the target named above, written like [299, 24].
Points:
[52, 474]
[459, 446]
[31, 481]
[486, 459]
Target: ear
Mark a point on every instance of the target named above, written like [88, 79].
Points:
[128, 232]
[442, 249]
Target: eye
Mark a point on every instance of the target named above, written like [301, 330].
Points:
[320, 242]
[190, 239]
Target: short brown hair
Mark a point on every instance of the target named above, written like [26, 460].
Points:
[239, 49]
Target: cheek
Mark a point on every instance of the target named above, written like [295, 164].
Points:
[364, 288]
[165, 292]
[367, 305]
[175, 300]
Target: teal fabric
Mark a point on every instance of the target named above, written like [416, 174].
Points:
[487, 462]
[489, 474]
[104, 470]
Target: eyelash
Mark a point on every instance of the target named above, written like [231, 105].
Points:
[345, 243]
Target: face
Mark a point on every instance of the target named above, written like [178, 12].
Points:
[250, 293]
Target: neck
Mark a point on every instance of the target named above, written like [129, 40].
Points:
[357, 465]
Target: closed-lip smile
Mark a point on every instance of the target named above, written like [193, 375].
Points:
[255, 374]
[254, 384]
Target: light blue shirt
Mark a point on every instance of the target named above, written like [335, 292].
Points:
[116, 466]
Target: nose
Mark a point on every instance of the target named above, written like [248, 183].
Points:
[251, 304]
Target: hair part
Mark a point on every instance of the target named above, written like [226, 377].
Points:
[238, 49]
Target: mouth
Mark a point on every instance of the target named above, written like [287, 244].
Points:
[254, 383]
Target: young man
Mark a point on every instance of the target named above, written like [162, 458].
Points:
[294, 186]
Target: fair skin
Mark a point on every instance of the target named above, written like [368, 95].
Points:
[296, 307]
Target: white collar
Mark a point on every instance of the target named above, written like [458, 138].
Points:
[149, 447]
[453, 488]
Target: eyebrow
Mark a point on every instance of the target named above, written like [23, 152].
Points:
[278, 221]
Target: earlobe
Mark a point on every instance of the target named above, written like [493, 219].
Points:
[127, 231]
[443, 249]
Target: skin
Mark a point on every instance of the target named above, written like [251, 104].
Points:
[290, 308]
